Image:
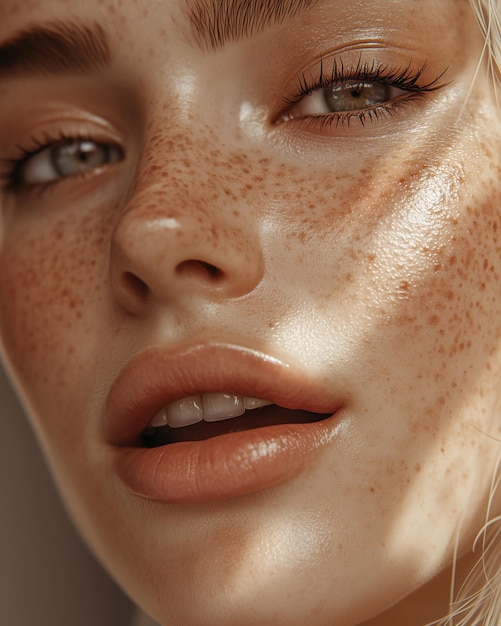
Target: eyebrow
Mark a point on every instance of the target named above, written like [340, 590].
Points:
[55, 48]
[216, 22]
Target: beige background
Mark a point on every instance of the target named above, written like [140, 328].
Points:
[47, 576]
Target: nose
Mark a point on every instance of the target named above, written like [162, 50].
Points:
[170, 250]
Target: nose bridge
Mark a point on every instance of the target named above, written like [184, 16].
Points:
[184, 233]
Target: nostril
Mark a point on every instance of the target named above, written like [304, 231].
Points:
[195, 267]
[212, 270]
[137, 286]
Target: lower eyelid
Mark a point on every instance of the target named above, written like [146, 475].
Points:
[355, 124]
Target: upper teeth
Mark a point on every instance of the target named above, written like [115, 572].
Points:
[211, 407]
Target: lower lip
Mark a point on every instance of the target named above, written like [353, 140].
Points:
[223, 467]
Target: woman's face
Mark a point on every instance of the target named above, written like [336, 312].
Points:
[298, 202]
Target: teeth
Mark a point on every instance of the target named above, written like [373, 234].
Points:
[181, 413]
[221, 406]
[255, 403]
[211, 407]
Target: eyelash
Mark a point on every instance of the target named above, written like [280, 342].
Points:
[10, 169]
[403, 77]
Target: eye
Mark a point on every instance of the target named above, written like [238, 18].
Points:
[66, 158]
[326, 99]
[343, 97]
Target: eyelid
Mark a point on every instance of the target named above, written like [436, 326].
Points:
[11, 168]
[370, 65]
[45, 162]
[406, 73]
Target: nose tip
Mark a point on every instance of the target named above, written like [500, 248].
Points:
[171, 259]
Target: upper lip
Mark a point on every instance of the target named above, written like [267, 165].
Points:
[157, 376]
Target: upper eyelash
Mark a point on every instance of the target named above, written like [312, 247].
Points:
[10, 168]
[404, 78]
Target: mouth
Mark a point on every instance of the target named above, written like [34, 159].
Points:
[203, 416]
[215, 421]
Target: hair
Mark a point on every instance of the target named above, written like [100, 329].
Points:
[488, 15]
[479, 599]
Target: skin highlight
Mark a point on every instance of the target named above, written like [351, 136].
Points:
[369, 257]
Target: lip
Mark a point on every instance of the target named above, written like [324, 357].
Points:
[228, 465]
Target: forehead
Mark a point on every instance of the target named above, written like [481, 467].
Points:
[212, 23]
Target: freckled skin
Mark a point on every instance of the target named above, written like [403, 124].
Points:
[374, 263]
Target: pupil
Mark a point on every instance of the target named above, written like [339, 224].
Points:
[84, 156]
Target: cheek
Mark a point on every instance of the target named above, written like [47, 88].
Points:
[440, 284]
[51, 292]
[401, 254]
[427, 337]
[435, 348]
[398, 282]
